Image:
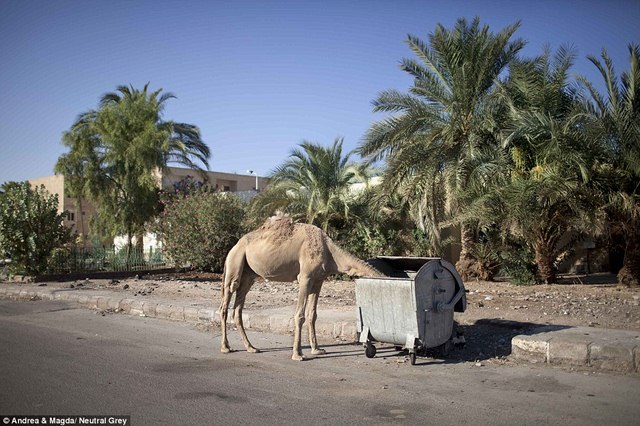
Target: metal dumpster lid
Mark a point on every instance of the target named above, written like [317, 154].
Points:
[405, 263]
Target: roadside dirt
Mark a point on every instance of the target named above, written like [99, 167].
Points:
[496, 311]
[574, 303]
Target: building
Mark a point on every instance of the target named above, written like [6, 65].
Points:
[78, 214]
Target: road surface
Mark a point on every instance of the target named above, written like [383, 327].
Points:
[58, 359]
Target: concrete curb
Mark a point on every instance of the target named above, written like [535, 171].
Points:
[330, 323]
[603, 349]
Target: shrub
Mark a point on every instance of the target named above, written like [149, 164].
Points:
[30, 227]
[367, 242]
[518, 265]
[199, 229]
[487, 261]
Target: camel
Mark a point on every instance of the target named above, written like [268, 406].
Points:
[281, 250]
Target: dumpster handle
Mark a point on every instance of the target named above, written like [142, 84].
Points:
[440, 307]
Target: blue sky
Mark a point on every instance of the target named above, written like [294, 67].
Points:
[258, 77]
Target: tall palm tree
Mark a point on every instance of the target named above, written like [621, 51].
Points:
[313, 184]
[617, 115]
[115, 153]
[548, 193]
[438, 129]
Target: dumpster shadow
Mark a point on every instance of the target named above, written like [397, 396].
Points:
[491, 338]
[485, 339]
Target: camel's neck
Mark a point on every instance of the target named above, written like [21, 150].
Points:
[349, 264]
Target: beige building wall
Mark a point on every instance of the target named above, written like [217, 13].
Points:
[76, 217]
[221, 181]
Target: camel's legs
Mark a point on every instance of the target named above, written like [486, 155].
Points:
[312, 305]
[228, 289]
[245, 284]
[304, 288]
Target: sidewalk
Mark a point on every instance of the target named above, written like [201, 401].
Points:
[597, 348]
[331, 322]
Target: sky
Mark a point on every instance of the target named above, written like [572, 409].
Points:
[257, 77]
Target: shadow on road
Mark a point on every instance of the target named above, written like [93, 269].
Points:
[485, 339]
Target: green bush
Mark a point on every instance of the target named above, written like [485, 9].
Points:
[199, 228]
[30, 227]
[518, 265]
[367, 242]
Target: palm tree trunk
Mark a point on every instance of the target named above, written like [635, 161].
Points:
[467, 241]
[80, 220]
[466, 266]
[630, 272]
[545, 257]
[140, 241]
[129, 247]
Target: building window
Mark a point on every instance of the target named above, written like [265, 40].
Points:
[71, 216]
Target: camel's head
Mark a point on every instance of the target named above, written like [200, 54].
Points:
[363, 270]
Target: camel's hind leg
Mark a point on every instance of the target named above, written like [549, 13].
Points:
[312, 305]
[248, 277]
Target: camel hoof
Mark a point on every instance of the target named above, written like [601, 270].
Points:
[225, 350]
[253, 350]
[318, 351]
[297, 357]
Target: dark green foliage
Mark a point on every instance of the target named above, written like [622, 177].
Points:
[487, 260]
[200, 228]
[518, 264]
[368, 242]
[30, 227]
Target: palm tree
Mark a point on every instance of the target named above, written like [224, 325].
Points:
[116, 151]
[440, 128]
[617, 115]
[313, 184]
[548, 193]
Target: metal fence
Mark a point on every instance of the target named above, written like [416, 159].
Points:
[106, 259]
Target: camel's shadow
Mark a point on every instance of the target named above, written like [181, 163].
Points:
[485, 339]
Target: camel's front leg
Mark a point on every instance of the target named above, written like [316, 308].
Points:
[312, 315]
[303, 292]
[241, 295]
[224, 309]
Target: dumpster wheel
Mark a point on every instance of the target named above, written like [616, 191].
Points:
[369, 350]
[412, 357]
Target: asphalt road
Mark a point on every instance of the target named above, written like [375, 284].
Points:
[58, 359]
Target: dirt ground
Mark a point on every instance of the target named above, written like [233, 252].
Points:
[496, 311]
[579, 301]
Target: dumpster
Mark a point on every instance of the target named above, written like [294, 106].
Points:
[412, 307]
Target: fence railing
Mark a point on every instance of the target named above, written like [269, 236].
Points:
[107, 259]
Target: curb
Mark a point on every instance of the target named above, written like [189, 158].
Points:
[602, 349]
[329, 323]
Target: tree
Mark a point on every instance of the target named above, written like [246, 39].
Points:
[437, 130]
[313, 184]
[617, 124]
[116, 151]
[200, 226]
[30, 226]
[551, 191]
